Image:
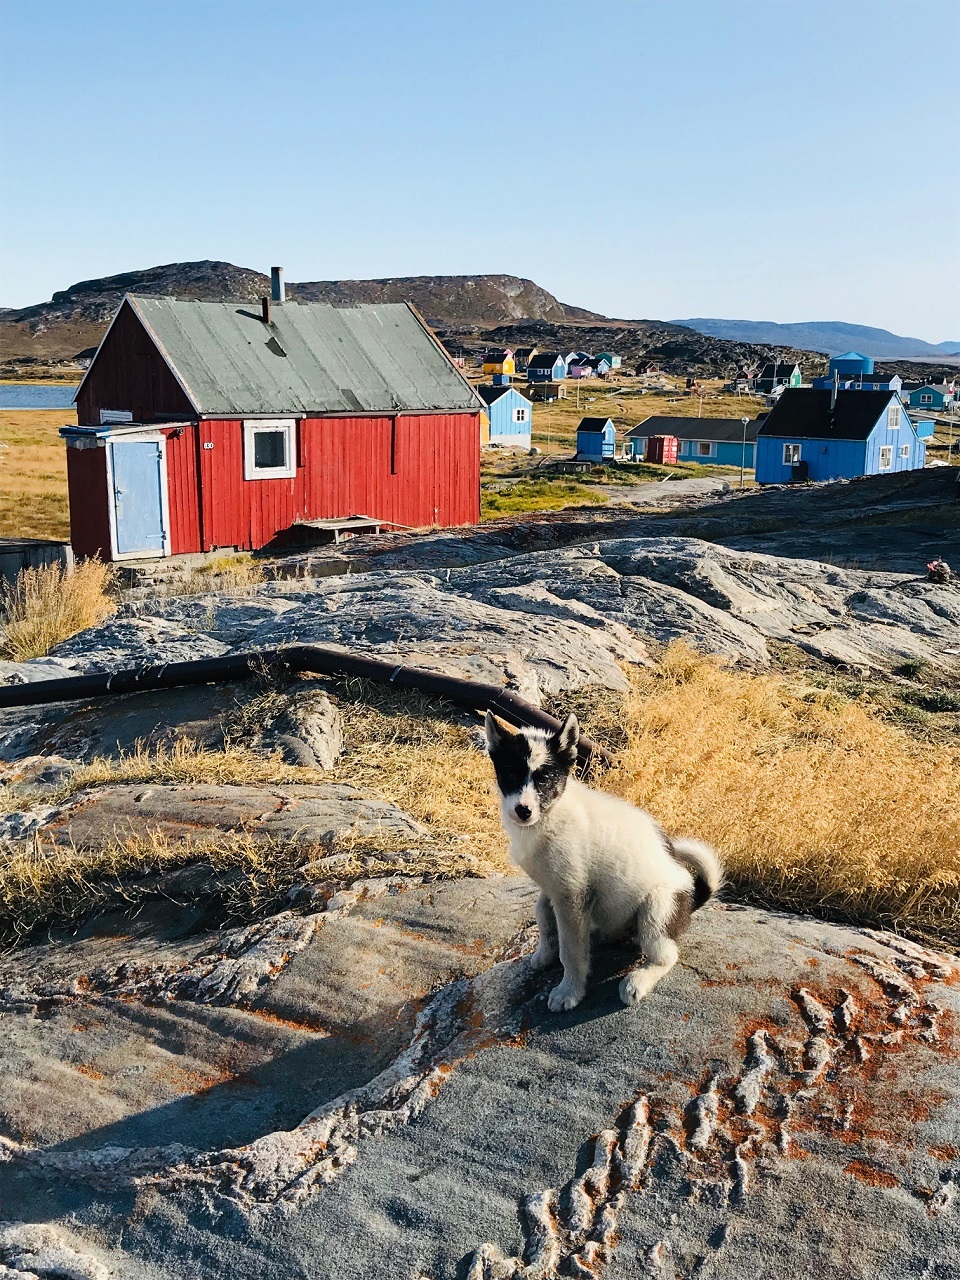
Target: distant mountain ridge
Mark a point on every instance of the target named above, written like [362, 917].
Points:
[831, 337]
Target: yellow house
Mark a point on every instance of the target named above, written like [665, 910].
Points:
[499, 362]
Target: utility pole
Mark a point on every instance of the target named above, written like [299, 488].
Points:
[743, 450]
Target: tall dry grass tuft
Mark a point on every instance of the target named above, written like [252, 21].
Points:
[47, 605]
[817, 805]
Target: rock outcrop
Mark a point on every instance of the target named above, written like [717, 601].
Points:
[378, 1086]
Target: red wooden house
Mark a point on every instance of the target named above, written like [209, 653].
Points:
[207, 425]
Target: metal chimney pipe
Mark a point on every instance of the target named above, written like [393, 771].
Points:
[277, 291]
[265, 308]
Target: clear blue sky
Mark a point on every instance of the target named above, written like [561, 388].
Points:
[761, 159]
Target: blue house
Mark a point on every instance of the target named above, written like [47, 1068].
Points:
[547, 366]
[814, 435]
[717, 442]
[509, 417]
[596, 439]
[935, 396]
[850, 365]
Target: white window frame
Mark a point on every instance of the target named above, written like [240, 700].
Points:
[520, 414]
[926, 398]
[893, 418]
[904, 451]
[254, 426]
[888, 450]
[705, 449]
[791, 455]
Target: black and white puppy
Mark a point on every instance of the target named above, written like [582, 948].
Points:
[606, 870]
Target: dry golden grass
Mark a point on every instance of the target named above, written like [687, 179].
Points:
[816, 803]
[232, 575]
[33, 473]
[47, 605]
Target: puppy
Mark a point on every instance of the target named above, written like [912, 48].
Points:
[606, 870]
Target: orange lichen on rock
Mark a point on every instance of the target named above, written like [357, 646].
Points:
[871, 1175]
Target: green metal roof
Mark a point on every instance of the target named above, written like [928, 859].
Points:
[311, 358]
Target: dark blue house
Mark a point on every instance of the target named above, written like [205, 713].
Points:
[509, 416]
[547, 366]
[816, 435]
[596, 439]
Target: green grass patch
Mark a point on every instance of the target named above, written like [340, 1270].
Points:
[536, 495]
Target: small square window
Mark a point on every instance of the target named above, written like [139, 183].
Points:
[520, 415]
[703, 448]
[791, 454]
[269, 449]
[886, 457]
[904, 451]
[926, 399]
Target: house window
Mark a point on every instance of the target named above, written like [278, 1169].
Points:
[893, 417]
[519, 415]
[704, 448]
[904, 451]
[791, 454]
[269, 449]
[886, 457]
[926, 399]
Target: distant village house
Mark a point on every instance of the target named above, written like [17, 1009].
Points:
[596, 440]
[508, 419]
[713, 441]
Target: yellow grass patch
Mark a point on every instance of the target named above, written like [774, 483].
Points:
[33, 473]
[46, 605]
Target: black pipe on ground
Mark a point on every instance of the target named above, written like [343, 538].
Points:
[308, 658]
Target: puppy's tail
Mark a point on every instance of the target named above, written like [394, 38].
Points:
[704, 865]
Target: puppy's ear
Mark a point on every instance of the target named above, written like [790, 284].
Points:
[565, 742]
[494, 734]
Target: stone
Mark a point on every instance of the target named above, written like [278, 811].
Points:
[379, 1088]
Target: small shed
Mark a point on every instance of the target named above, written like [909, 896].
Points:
[217, 424]
[662, 449]
[546, 392]
[596, 439]
[822, 435]
[579, 369]
[509, 416]
[499, 361]
[547, 366]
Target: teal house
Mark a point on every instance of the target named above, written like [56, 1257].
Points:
[719, 442]
[781, 373]
[596, 439]
[822, 435]
[613, 360]
[509, 417]
[935, 396]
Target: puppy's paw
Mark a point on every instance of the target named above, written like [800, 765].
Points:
[543, 958]
[634, 987]
[564, 996]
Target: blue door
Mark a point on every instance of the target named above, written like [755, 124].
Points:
[138, 496]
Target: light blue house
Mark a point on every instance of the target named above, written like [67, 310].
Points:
[816, 435]
[935, 396]
[596, 439]
[547, 366]
[509, 417]
[714, 441]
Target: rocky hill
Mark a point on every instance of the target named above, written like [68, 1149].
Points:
[677, 350]
[469, 311]
[68, 328]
